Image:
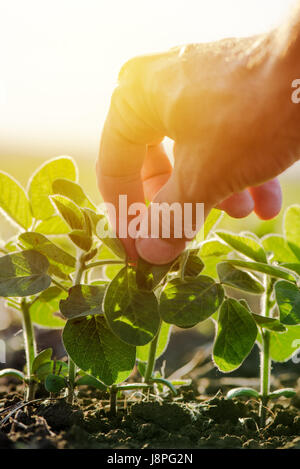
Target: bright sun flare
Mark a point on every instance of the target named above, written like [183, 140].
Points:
[60, 59]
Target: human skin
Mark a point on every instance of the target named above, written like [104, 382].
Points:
[227, 105]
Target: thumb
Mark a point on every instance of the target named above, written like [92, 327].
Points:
[170, 218]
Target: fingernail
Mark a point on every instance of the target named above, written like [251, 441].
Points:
[157, 251]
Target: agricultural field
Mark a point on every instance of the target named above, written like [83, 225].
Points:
[199, 353]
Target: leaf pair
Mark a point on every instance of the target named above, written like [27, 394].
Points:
[78, 220]
[105, 346]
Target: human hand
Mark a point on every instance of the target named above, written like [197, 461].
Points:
[227, 106]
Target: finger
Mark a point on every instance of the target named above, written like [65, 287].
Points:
[238, 205]
[180, 189]
[156, 170]
[119, 173]
[160, 250]
[267, 199]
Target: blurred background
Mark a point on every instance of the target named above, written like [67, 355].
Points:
[59, 64]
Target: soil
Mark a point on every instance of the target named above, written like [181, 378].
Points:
[200, 417]
[188, 421]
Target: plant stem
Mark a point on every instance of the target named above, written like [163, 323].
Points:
[265, 367]
[79, 272]
[59, 285]
[113, 401]
[265, 375]
[131, 386]
[101, 263]
[71, 364]
[183, 261]
[71, 380]
[30, 349]
[151, 357]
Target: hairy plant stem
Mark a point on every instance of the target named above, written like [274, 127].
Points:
[151, 357]
[92, 265]
[183, 261]
[265, 360]
[59, 285]
[131, 386]
[30, 349]
[113, 391]
[71, 365]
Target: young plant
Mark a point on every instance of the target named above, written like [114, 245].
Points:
[275, 263]
[35, 271]
[115, 314]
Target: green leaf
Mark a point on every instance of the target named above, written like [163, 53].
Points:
[54, 270]
[214, 248]
[166, 383]
[292, 229]
[12, 372]
[23, 274]
[54, 254]
[52, 226]
[210, 266]
[245, 245]
[97, 351]
[131, 313]
[238, 392]
[110, 240]
[105, 253]
[286, 392]
[293, 267]
[112, 270]
[250, 234]
[288, 300]
[271, 270]
[164, 337]
[65, 244]
[212, 252]
[49, 367]
[280, 249]
[83, 300]
[73, 191]
[94, 218]
[43, 357]
[88, 380]
[70, 212]
[271, 324]
[194, 264]
[187, 303]
[14, 201]
[236, 335]
[55, 384]
[181, 382]
[81, 239]
[283, 346]
[11, 245]
[40, 185]
[236, 278]
[149, 276]
[44, 308]
[245, 304]
[214, 217]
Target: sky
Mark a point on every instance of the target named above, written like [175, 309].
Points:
[59, 59]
